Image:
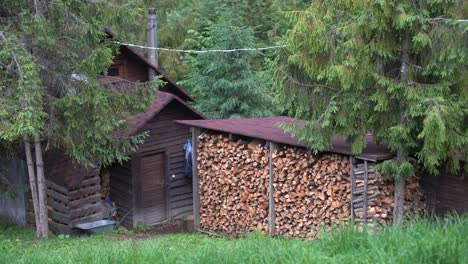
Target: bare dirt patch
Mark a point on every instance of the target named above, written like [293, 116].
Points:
[175, 227]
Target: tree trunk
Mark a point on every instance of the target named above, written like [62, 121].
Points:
[32, 183]
[41, 188]
[398, 209]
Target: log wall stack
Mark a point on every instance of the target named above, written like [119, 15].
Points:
[311, 192]
[70, 206]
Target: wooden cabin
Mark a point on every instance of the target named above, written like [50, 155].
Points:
[151, 187]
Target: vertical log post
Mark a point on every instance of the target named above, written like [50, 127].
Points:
[32, 183]
[271, 192]
[353, 187]
[364, 215]
[195, 179]
[41, 188]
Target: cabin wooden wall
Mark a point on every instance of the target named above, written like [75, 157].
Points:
[446, 193]
[121, 191]
[169, 137]
[130, 67]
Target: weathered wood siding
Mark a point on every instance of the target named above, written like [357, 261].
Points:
[12, 209]
[169, 137]
[446, 193]
[121, 191]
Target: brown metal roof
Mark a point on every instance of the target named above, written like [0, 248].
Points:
[139, 121]
[267, 129]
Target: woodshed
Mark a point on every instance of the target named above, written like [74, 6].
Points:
[251, 175]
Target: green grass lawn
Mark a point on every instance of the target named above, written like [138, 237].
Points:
[422, 241]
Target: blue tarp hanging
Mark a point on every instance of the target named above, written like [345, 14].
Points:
[188, 159]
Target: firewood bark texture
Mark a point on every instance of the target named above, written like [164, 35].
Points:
[311, 192]
[233, 186]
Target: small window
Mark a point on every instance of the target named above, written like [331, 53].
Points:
[113, 71]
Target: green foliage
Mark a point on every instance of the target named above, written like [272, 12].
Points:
[342, 72]
[420, 241]
[21, 100]
[397, 170]
[177, 18]
[224, 83]
[51, 54]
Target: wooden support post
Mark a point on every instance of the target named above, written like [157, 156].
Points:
[271, 192]
[364, 215]
[195, 179]
[353, 187]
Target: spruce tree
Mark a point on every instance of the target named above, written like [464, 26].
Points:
[51, 53]
[394, 68]
[224, 83]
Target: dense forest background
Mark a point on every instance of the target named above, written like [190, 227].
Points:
[241, 82]
[183, 23]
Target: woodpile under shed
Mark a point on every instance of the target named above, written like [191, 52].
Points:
[311, 192]
[233, 186]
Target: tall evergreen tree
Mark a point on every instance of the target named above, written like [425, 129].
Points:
[51, 53]
[225, 84]
[394, 68]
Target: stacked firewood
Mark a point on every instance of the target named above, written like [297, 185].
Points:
[105, 183]
[311, 192]
[233, 185]
[380, 208]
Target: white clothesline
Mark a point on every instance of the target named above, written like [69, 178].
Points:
[201, 51]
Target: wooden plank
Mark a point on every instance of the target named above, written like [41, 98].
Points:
[353, 187]
[89, 208]
[57, 206]
[178, 182]
[89, 218]
[89, 199]
[364, 215]
[59, 228]
[57, 195]
[137, 215]
[182, 197]
[195, 178]
[184, 202]
[182, 211]
[91, 181]
[271, 192]
[58, 217]
[57, 188]
[84, 192]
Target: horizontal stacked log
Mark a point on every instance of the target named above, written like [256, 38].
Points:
[233, 185]
[70, 206]
[311, 192]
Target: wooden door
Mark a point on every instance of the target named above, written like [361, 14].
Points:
[153, 188]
